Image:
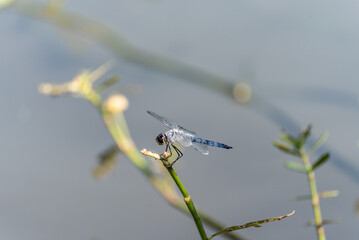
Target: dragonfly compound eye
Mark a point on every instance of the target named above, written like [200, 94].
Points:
[160, 139]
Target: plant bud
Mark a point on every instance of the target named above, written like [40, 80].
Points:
[242, 92]
[116, 103]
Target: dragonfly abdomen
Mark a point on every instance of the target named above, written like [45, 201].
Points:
[211, 143]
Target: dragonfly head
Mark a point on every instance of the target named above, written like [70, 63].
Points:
[161, 139]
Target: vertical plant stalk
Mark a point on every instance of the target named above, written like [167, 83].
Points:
[188, 201]
[314, 195]
[295, 146]
[187, 198]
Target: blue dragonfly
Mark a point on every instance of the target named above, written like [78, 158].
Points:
[184, 137]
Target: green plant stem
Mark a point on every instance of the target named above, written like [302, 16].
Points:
[188, 201]
[314, 195]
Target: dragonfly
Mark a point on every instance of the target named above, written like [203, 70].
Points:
[184, 137]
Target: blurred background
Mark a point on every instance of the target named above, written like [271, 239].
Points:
[300, 59]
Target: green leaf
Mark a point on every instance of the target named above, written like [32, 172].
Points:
[301, 198]
[250, 224]
[321, 160]
[324, 222]
[325, 194]
[285, 148]
[282, 146]
[302, 138]
[319, 142]
[331, 221]
[106, 84]
[294, 166]
[329, 194]
[107, 162]
[287, 138]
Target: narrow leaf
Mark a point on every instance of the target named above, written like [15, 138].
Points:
[324, 222]
[331, 221]
[250, 224]
[294, 166]
[287, 138]
[321, 160]
[329, 194]
[285, 148]
[301, 198]
[304, 135]
[107, 162]
[319, 142]
[325, 194]
[282, 146]
[106, 84]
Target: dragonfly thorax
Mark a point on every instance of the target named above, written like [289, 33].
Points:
[179, 136]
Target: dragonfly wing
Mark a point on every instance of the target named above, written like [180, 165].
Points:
[184, 138]
[186, 130]
[200, 147]
[165, 121]
[168, 123]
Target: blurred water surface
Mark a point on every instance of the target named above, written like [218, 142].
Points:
[299, 57]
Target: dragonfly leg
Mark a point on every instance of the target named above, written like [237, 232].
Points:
[167, 154]
[179, 154]
[168, 147]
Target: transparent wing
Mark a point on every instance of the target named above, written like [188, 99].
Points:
[200, 147]
[186, 130]
[184, 138]
[168, 123]
[165, 121]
